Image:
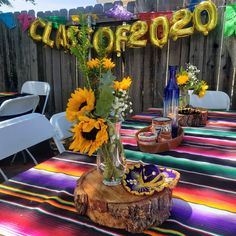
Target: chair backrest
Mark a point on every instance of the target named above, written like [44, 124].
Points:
[212, 100]
[37, 88]
[61, 125]
[20, 105]
[22, 132]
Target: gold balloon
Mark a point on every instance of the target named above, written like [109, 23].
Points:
[159, 21]
[211, 10]
[180, 19]
[46, 35]
[61, 37]
[138, 30]
[99, 35]
[33, 29]
[121, 37]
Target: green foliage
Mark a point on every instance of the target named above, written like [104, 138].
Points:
[105, 97]
[81, 47]
[104, 102]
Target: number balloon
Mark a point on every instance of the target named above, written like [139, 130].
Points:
[138, 29]
[46, 35]
[164, 23]
[121, 37]
[211, 10]
[180, 19]
[99, 35]
[61, 37]
[33, 29]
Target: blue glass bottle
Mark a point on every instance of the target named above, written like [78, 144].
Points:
[171, 100]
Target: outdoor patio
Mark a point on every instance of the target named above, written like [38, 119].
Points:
[125, 113]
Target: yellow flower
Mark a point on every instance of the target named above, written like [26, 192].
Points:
[93, 63]
[182, 79]
[75, 18]
[123, 85]
[108, 64]
[89, 135]
[81, 100]
[202, 92]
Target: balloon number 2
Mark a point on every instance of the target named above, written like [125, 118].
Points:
[179, 26]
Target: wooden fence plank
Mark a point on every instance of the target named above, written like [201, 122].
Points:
[134, 68]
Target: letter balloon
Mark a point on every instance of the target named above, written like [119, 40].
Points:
[121, 37]
[101, 33]
[211, 10]
[46, 35]
[61, 37]
[138, 30]
[157, 22]
[180, 19]
[33, 29]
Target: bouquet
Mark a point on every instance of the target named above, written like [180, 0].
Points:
[187, 80]
[98, 106]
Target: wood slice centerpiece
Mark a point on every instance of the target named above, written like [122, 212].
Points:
[117, 208]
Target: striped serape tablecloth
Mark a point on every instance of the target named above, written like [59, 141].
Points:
[40, 201]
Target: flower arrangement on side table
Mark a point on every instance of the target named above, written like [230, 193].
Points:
[187, 80]
[98, 108]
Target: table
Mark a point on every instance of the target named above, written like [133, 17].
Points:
[40, 201]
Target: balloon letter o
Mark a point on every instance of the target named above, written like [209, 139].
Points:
[211, 10]
[100, 34]
[159, 21]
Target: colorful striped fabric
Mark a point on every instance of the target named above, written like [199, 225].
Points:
[39, 201]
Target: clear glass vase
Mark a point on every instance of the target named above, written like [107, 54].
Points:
[184, 98]
[111, 158]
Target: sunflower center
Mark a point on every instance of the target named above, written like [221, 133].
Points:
[82, 105]
[91, 135]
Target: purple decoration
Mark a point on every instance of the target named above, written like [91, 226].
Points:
[146, 179]
[119, 12]
[25, 20]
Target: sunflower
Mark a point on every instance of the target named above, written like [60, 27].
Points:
[182, 79]
[123, 85]
[93, 63]
[81, 100]
[89, 135]
[202, 92]
[108, 64]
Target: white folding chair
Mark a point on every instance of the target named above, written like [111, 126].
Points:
[37, 88]
[22, 132]
[212, 100]
[18, 106]
[62, 127]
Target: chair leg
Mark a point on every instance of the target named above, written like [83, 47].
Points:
[13, 159]
[24, 156]
[2, 173]
[34, 160]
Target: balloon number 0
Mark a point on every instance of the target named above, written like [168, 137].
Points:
[132, 35]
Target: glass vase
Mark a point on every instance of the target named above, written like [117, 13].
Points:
[111, 158]
[184, 98]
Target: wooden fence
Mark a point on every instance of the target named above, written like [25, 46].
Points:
[22, 59]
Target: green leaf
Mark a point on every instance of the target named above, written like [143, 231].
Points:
[107, 79]
[104, 102]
